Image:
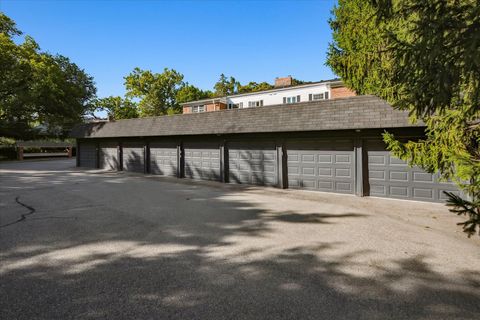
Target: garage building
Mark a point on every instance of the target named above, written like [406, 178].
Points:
[331, 146]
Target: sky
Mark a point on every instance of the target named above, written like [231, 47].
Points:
[249, 40]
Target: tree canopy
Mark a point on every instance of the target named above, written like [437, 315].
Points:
[189, 92]
[39, 88]
[226, 86]
[423, 57]
[157, 92]
[254, 87]
[117, 107]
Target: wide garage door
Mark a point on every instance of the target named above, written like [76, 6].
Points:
[163, 158]
[253, 163]
[87, 155]
[202, 161]
[108, 156]
[392, 178]
[133, 156]
[327, 165]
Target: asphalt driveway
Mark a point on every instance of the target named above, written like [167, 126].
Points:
[83, 244]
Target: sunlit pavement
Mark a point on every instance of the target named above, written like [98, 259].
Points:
[85, 244]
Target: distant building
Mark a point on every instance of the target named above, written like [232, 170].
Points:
[283, 93]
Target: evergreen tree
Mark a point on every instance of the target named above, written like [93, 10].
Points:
[423, 57]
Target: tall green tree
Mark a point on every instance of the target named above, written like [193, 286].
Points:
[39, 88]
[117, 108]
[226, 86]
[254, 87]
[157, 92]
[423, 57]
[189, 92]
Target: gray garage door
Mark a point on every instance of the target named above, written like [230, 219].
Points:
[321, 165]
[87, 155]
[133, 156]
[253, 163]
[163, 158]
[202, 161]
[108, 156]
[392, 178]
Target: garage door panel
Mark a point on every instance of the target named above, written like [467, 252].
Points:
[423, 177]
[253, 163]
[163, 158]
[325, 158]
[321, 165]
[87, 155]
[399, 191]
[392, 178]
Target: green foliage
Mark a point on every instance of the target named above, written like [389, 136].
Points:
[423, 57]
[39, 88]
[296, 82]
[5, 141]
[189, 92]
[226, 86]
[254, 87]
[470, 209]
[8, 26]
[157, 91]
[358, 53]
[117, 108]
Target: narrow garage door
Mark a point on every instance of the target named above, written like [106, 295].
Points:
[321, 165]
[251, 163]
[163, 158]
[108, 156]
[202, 161]
[133, 156]
[392, 178]
[87, 155]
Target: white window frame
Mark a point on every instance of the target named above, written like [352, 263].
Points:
[292, 99]
[256, 103]
[198, 108]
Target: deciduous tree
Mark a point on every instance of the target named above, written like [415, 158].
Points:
[157, 92]
[117, 108]
[189, 92]
[39, 88]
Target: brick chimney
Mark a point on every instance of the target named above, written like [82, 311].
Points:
[283, 82]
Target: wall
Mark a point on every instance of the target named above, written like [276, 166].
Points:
[341, 92]
[276, 97]
[215, 107]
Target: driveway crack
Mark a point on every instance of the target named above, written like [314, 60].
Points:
[31, 210]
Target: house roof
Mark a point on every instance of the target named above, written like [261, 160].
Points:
[360, 112]
[333, 82]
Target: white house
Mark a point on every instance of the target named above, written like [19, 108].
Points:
[283, 93]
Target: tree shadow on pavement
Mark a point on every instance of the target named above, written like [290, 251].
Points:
[213, 255]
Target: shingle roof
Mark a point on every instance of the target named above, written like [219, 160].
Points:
[360, 112]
